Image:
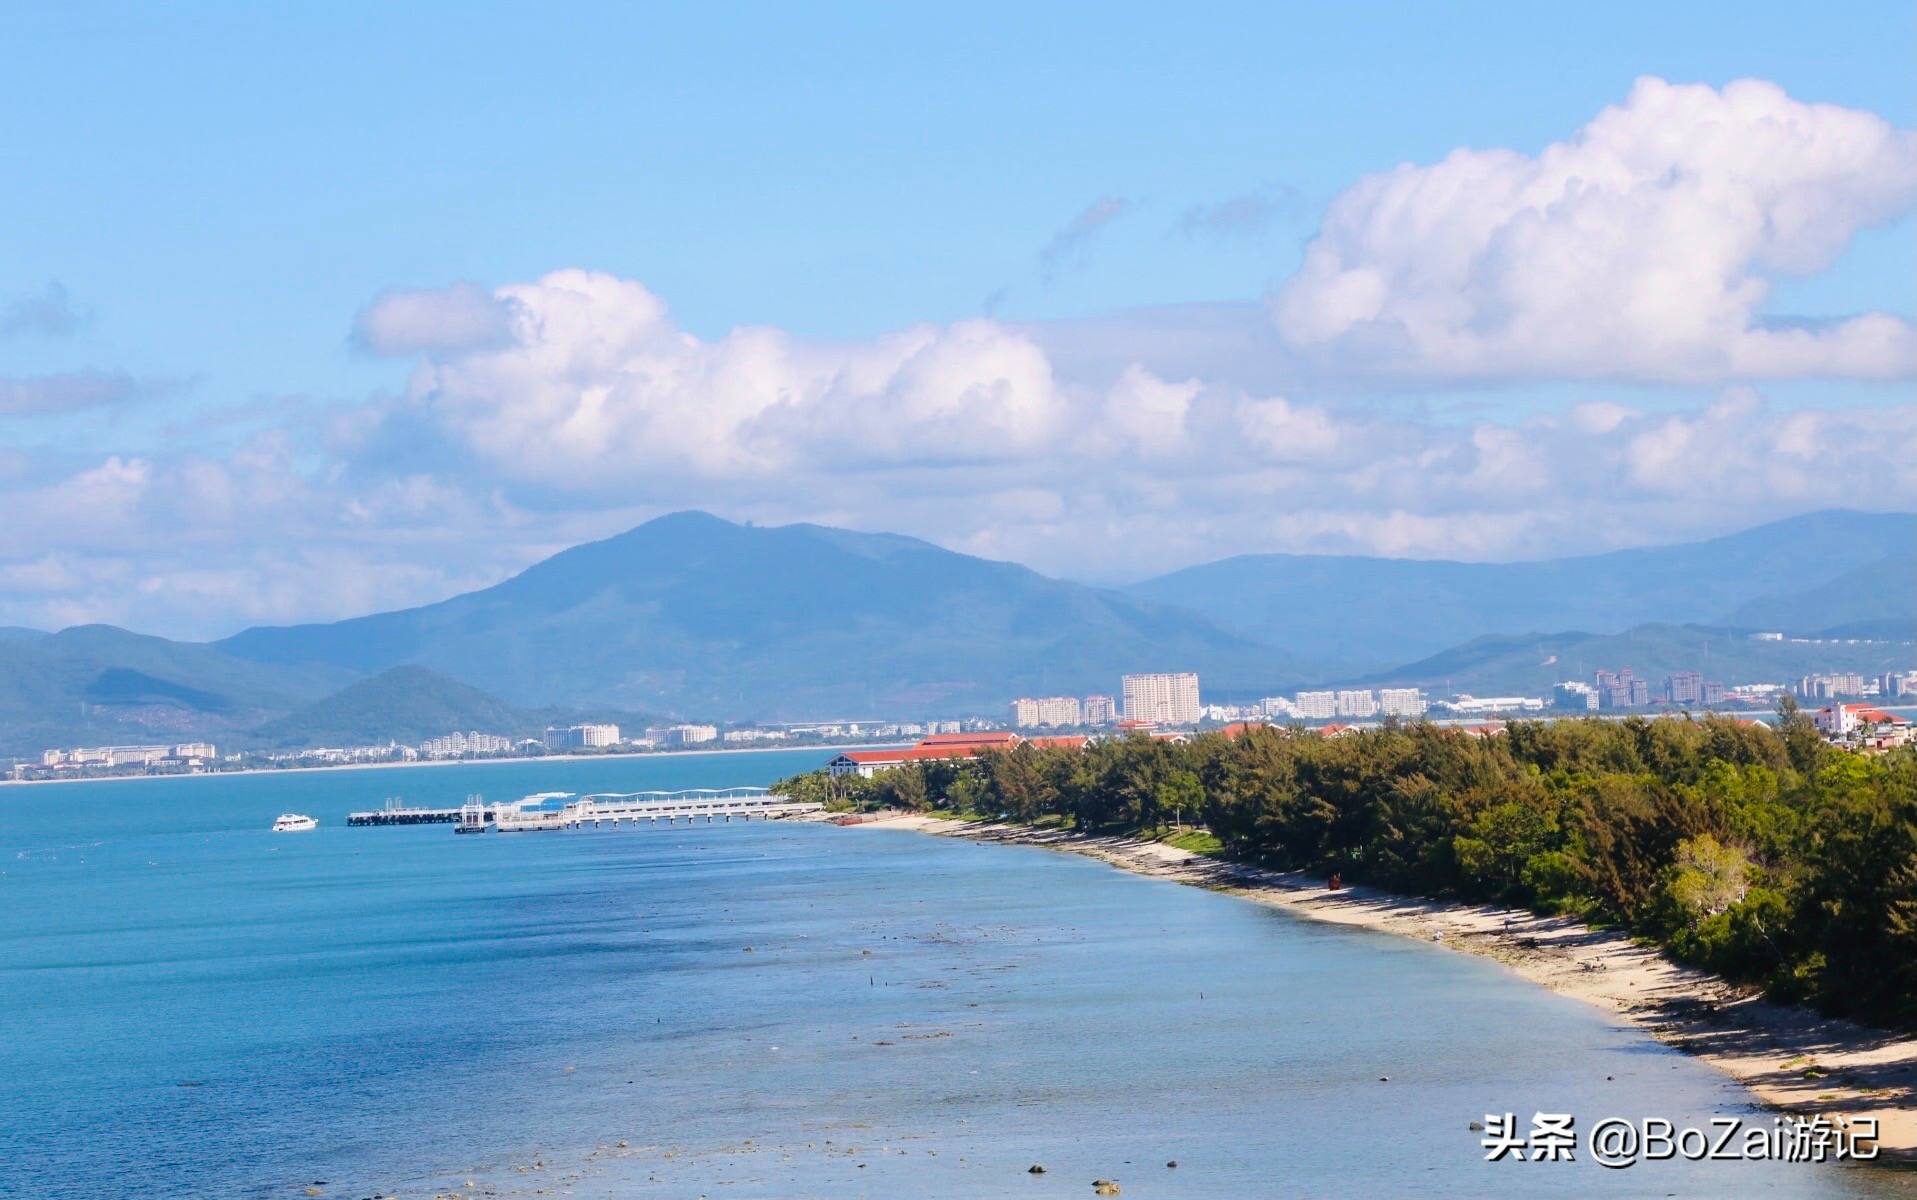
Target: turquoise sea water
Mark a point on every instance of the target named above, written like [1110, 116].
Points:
[192, 1006]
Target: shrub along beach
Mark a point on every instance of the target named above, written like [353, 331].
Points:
[1760, 855]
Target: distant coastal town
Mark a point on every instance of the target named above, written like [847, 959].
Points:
[1157, 704]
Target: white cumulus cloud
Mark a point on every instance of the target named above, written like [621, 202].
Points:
[1640, 248]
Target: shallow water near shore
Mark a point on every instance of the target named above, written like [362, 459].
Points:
[194, 1006]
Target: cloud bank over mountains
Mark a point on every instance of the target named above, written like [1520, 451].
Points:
[1632, 260]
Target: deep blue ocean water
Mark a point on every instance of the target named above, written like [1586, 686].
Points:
[193, 1006]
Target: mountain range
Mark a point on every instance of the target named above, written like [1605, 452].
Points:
[690, 613]
[1360, 615]
[693, 616]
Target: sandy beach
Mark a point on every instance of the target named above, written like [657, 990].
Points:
[1791, 1059]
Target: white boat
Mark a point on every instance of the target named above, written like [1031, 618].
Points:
[294, 823]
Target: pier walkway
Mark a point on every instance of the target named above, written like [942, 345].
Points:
[395, 813]
[531, 813]
[691, 806]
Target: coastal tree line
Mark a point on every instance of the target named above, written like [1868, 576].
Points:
[1761, 854]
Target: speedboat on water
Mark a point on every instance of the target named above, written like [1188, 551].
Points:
[294, 823]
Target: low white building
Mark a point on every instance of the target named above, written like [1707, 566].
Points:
[1465, 705]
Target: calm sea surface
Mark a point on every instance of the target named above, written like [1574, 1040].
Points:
[192, 1006]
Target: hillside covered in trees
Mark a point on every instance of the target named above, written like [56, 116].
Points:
[1758, 853]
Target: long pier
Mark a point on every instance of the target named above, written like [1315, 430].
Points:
[692, 806]
[394, 813]
[530, 813]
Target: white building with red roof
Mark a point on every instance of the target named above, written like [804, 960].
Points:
[1842, 720]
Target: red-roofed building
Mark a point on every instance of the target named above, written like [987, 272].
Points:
[1074, 741]
[1841, 720]
[997, 739]
[1238, 729]
[867, 763]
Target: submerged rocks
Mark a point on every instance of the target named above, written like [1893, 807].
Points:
[1034, 1169]
[1104, 1187]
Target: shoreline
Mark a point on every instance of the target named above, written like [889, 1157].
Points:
[446, 762]
[1790, 1059]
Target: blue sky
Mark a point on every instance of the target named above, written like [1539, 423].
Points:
[215, 195]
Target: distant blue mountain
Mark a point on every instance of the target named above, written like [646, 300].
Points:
[696, 615]
[1366, 614]
[95, 684]
[1879, 596]
[1529, 664]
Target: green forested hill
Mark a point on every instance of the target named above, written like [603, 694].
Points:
[404, 704]
[95, 684]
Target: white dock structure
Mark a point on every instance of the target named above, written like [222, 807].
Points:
[393, 812]
[692, 805]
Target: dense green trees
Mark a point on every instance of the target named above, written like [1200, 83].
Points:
[1761, 854]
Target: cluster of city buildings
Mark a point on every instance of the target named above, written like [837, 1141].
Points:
[165, 758]
[1626, 689]
[459, 745]
[1151, 699]
[1159, 703]
[1891, 685]
[1172, 700]
[182, 754]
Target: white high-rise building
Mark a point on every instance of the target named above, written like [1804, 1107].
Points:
[1401, 702]
[1317, 706]
[1355, 702]
[574, 737]
[1162, 699]
[1098, 710]
[1047, 710]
